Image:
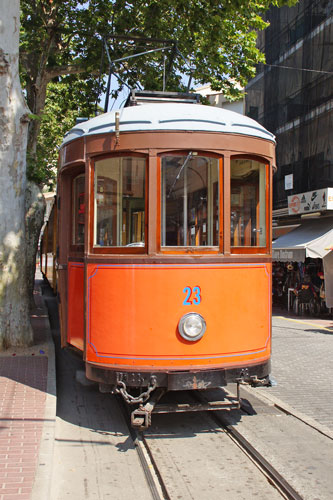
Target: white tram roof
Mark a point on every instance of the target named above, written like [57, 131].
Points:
[171, 117]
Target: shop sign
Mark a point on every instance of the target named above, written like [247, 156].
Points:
[289, 254]
[281, 255]
[312, 201]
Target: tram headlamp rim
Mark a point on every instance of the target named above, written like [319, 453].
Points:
[184, 327]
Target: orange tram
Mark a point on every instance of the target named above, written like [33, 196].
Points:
[164, 248]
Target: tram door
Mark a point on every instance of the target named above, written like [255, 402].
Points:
[71, 258]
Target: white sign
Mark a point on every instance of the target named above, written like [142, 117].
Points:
[288, 181]
[312, 201]
[288, 255]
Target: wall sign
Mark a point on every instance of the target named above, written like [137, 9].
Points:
[288, 181]
[311, 201]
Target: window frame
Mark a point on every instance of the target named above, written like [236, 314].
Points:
[74, 211]
[71, 176]
[116, 249]
[189, 249]
[248, 250]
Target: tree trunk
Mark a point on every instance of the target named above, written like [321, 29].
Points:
[15, 328]
[35, 209]
[36, 95]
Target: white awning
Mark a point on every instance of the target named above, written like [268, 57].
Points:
[311, 239]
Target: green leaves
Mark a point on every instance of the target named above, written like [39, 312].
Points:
[216, 42]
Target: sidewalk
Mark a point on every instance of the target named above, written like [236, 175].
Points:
[324, 322]
[302, 350]
[28, 411]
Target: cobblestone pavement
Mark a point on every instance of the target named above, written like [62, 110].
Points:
[302, 364]
[23, 387]
[27, 413]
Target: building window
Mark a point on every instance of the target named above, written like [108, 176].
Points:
[248, 203]
[190, 201]
[120, 199]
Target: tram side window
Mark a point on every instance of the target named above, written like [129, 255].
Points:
[190, 201]
[78, 210]
[248, 203]
[120, 202]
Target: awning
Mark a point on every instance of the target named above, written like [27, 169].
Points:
[328, 275]
[312, 238]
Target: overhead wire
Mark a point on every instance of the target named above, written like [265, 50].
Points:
[299, 69]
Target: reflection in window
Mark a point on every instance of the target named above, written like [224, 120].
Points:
[120, 202]
[78, 210]
[190, 201]
[248, 203]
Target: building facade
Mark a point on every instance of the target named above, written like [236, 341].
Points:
[292, 96]
[216, 98]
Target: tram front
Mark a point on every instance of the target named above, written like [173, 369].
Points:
[167, 256]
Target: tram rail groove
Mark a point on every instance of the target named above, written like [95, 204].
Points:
[270, 472]
[158, 492]
[273, 476]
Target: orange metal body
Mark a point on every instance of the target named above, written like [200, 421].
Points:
[75, 317]
[121, 306]
[133, 313]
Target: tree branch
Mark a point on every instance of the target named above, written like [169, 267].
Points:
[70, 69]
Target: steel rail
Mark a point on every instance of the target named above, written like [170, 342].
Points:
[274, 477]
[269, 470]
[271, 473]
[140, 442]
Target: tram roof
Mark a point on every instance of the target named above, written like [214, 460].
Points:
[170, 117]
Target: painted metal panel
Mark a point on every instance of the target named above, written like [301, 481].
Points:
[75, 322]
[133, 313]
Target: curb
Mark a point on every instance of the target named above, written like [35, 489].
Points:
[270, 399]
[42, 483]
[321, 324]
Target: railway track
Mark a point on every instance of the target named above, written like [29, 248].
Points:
[268, 470]
[155, 465]
[94, 437]
[151, 472]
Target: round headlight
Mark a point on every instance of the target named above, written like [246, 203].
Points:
[192, 326]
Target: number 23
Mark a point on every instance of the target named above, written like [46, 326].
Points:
[192, 296]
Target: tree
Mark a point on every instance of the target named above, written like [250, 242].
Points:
[61, 44]
[214, 41]
[15, 326]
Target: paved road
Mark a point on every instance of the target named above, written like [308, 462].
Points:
[94, 456]
[302, 364]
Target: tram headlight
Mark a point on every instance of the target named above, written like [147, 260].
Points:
[192, 326]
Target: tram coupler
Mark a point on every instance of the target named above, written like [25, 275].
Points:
[260, 382]
[121, 388]
[253, 380]
[141, 417]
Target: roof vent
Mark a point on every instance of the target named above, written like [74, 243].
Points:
[139, 97]
[81, 119]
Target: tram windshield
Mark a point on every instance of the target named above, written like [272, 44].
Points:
[190, 201]
[120, 202]
[248, 203]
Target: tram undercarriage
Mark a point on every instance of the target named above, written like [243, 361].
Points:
[145, 389]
